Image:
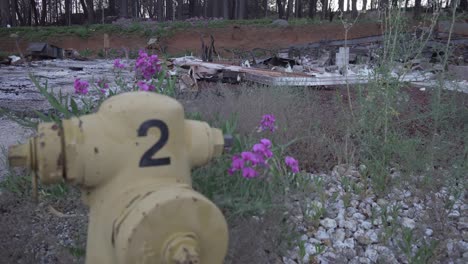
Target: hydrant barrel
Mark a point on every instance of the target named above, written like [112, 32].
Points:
[132, 160]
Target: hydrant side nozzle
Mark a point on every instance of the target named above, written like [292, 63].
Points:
[20, 155]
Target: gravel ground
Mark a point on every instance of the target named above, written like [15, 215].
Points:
[11, 133]
[367, 229]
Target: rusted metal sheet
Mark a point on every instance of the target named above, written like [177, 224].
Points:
[276, 78]
[44, 50]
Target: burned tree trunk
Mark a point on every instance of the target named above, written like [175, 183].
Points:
[312, 8]
[341, 5]
[280, 7]
[5, 12]
[90, 7]
[169, 6]
[160, 8]
[226, 9]
[354, 7]
[417, 9]
[44, 12]
[35, 12]
[289, 9]
[123, 8]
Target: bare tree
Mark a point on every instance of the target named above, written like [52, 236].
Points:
[34, 11]
[226, 9]
[160, 8]
[123, 8]
[341, 5]
[280, 7]
[90, 9]
[354, 6]
[290, 8]
[5, 12]
[169, 6]
[417, 9]
[312, 8]
[68, 12]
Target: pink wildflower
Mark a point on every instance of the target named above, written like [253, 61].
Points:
[261, 149]
[103, 85]
[144, 86]
[252, 157]
[266, 142]
[292, 163]
[237, 163]
[268, 123]
[81, 87]
[118, 64]
[147, 66]
[249, 173]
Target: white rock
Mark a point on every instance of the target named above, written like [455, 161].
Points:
[359, 216]
[463, 246]
[366, 225]
[429, 232]
[408, 223]
[314, 241]
[371, 254]
[322, 234]
[354, 203]
[362, 237]
[288, 261]
[310, 249]
[328, 223]
[373, 236]
[349, 243]
[339, 235]
[454, 214]
[351, 225]
[363, 260]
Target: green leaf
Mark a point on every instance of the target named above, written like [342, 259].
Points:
[74, 107]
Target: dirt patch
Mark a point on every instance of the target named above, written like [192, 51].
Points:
[32, 234]
[234, 37]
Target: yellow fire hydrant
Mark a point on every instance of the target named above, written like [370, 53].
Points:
[132, 160]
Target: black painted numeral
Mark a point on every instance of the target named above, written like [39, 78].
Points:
[147, 159]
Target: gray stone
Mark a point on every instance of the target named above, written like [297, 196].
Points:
[314, 241]
[322, 234]
[339, 235]
[310, 249]
[349, 243]
[463, 223]
[408, 223]
[454, 214]
[288, 261]
[428, 232]
[382, 202]
[354, 203]
[362, 237]
[364, 260]
[351, 225]
[280, 22]
[348, 253]
[359, 216]
[366, 225]
[328, 223]
[463, 246]
[371, 254]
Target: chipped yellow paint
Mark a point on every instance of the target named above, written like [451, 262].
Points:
[132, 160]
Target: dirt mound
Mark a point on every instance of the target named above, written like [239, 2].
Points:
[229, 39]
